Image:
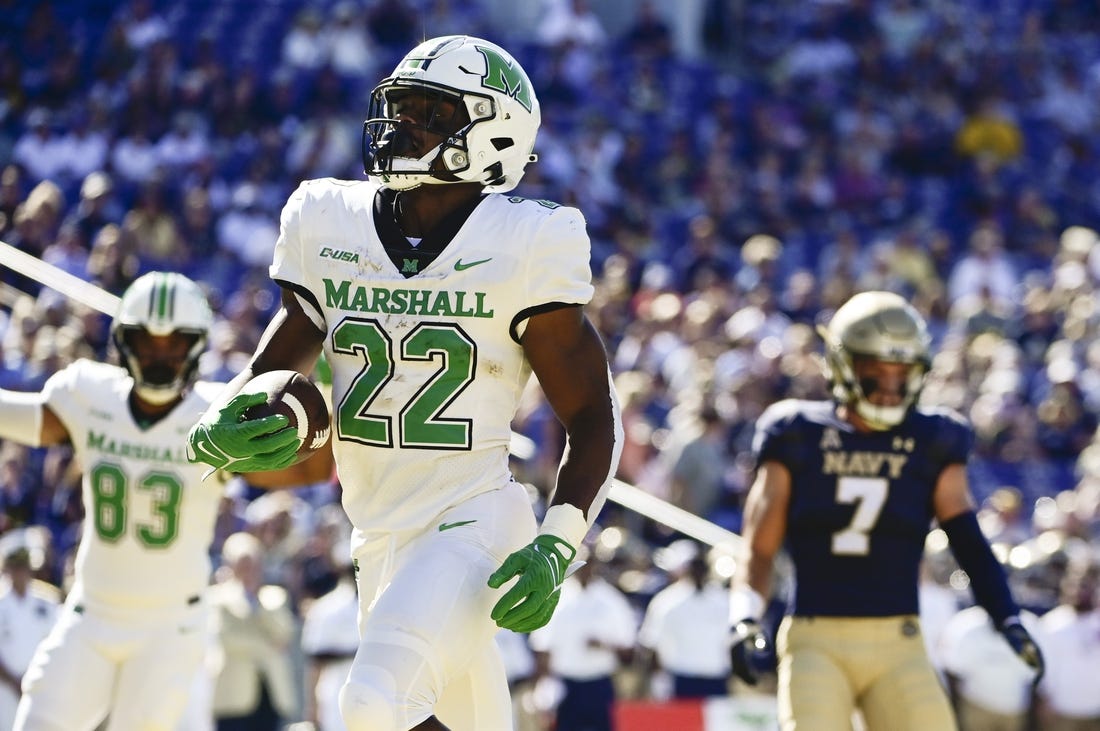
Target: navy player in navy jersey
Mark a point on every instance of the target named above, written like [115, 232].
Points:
[850, 487]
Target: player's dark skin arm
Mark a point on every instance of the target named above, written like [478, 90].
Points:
[570, 362]
[290, 342]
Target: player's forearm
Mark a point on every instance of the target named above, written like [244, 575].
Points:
[594, 438]
[750, 590]
[29, 420]
[758, 574]
[975, 557]
[289, 342]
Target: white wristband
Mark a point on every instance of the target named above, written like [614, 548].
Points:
[745, 603]
[566, 522]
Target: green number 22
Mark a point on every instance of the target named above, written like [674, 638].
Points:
[420, 421]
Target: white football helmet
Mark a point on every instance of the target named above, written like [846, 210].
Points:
[884, 327]
[502, 117]
[162, 303]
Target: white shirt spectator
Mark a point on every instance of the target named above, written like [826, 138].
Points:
[818, 57]
[247, 231]
[1071, 646]
[687, 628]
[134, 158]
[985, 266]
[143, 26]
[183, 145]
[24, 622]
[85, 151]
[39, 150]
[305, 46]
[350, 49]
[570, 21]
[990, 674]
[587, 615]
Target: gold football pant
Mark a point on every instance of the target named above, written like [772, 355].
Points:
[831, 666]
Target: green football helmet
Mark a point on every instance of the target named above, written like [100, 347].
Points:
[499, 111]
[162, 303]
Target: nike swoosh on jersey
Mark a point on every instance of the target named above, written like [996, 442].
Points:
[448, 526]
[459, 266]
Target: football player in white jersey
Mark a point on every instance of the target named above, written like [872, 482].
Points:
[434, 297]
[130, 638]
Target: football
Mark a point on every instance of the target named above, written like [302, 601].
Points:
[292, 394]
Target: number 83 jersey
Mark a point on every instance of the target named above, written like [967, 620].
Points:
[860, 503]
[427, 367]
[149, 515]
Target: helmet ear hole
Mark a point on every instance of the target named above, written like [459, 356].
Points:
[502, 143]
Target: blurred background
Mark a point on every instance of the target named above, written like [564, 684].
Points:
[744, 167]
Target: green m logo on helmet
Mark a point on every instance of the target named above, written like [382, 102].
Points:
[505, 76]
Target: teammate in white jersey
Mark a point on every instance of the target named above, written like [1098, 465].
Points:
[129, 640]
[434, 298]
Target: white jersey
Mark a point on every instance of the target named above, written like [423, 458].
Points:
[149, 515]
[427, 371]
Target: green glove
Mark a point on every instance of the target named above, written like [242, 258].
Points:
[232, 443]
[541, 567]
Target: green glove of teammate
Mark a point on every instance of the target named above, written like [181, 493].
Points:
[541, 567]
[238, 445]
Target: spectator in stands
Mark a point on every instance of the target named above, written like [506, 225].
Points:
[245, 231]
[326, 145]
[97, 207]
[152, 231]
[586, 642]
[990, 129]
[683, 626]
[570, 22]
[351, 51]
[649, 34]
[330, 637]
[142, 24]
[985, 265]
[1070, 636]
[699, 470]
[84, 145]
[28, 610]
[134, 156]
[39, 150]
[990, 687]
[183, 145]
[1004, 518]
[305, 47]
[254, 689]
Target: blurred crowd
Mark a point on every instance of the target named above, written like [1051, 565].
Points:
[741, 177]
